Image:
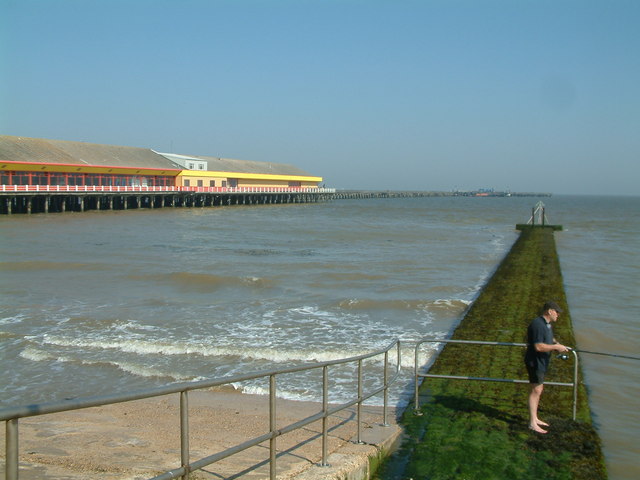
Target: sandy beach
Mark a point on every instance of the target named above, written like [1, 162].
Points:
[141, 439]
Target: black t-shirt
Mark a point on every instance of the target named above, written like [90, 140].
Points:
[539, 331]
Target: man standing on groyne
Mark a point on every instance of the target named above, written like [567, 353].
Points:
[540, 344]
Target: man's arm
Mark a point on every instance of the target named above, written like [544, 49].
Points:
[545, 347]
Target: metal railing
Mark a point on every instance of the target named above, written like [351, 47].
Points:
[144, 188]
[12, 415]
[419, 375]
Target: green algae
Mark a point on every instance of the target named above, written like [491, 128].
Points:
[479, 430]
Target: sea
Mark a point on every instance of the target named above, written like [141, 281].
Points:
[102, 302]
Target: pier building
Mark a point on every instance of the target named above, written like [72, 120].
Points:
[40, 175]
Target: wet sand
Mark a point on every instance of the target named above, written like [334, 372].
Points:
[138, 440]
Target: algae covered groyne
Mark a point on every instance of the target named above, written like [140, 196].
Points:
[479, 430]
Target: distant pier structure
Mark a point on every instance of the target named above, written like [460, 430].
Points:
[359, 194]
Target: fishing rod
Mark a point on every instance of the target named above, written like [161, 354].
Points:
[606, 354]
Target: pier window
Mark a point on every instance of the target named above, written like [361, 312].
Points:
[39, 178]
[57, 179]
[94, 180]
[20, 178]
[160, 181]
[76, 179]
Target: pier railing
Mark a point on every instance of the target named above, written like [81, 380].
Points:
[419, 375]
[142, 188]
[12, 415]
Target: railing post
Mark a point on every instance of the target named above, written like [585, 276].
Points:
[325, 411]
[11, 466]
[184, 432]
[359, 400]
[575, 382]
[272, 427]
[416, 396]
[385, 397]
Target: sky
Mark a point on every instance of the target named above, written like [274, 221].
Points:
[518, 95]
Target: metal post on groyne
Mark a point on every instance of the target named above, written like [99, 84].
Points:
[538, 219]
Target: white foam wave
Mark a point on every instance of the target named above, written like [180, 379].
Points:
[305, 311]
[146, 347]
[299, 396]
[303, 395]
[36, 355]
[132, 325]
[451, 302]
[144, 371]
[12, 320]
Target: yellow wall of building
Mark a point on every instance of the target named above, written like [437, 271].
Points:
[245, 179]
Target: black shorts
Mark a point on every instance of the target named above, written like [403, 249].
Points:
[535, 376]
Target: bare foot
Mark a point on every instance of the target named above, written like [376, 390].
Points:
[542, 424]
[537, 429]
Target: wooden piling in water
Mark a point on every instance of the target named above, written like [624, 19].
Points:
[51, 202]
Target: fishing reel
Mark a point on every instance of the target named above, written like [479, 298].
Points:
[564, 356]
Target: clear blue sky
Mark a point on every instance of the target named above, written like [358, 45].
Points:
[524, 95]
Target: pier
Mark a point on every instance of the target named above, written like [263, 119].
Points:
[45, 176]
[50, 199]
[360, 194]
[17, 199]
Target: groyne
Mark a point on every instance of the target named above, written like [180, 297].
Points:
[479, 430]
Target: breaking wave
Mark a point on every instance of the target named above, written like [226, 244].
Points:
[37, 355]
[448, 305]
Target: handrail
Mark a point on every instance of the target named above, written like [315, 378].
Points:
[12, 415]
[143, 188]
[418, 375]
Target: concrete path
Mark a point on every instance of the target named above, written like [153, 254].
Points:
[138, 440]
